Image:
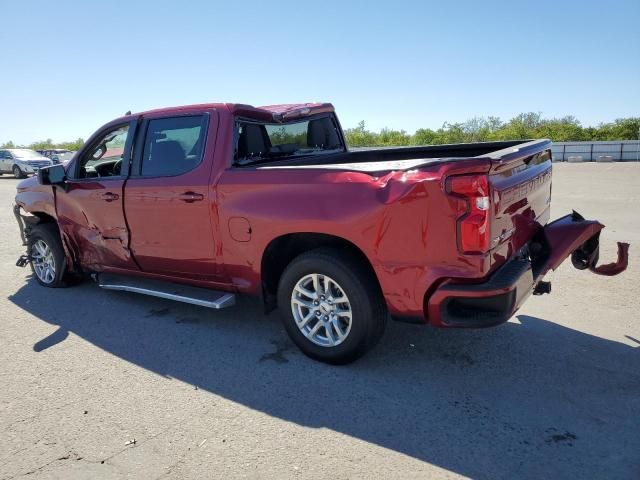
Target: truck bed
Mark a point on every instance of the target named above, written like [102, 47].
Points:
[402, 158]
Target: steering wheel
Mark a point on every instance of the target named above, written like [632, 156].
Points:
[116, 169]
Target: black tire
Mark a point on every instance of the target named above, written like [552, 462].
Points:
[17, 172]
[48, 233]
[369, 312]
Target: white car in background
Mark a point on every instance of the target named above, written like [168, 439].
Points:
[22, 161]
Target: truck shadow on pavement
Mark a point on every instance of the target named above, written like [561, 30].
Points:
[529, 399]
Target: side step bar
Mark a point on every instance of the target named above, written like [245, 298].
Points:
[172, 291]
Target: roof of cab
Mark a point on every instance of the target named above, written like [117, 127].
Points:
[271, 113]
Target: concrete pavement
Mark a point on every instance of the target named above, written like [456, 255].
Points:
[97, 384]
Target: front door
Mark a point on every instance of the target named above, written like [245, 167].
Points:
[89, 209]
[5, 161]
[167, 200]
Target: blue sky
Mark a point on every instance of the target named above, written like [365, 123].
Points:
[69, 67]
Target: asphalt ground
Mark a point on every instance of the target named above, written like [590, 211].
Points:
[98, 384]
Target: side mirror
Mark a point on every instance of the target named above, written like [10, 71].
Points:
[54, 175]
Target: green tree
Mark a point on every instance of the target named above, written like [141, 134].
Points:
[73, 146]
[390, 137]
[360, 136]
[628, 128]
[480, 129]
[48, 144]
[42, 144]
[423, 136]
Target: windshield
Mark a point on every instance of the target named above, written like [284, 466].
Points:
[24, 154]
[259, 142]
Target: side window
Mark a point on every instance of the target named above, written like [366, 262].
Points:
[3, 155]
[173, 146]
[104, 158]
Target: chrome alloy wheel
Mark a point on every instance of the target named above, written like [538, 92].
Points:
[321, 310]
[44, 264]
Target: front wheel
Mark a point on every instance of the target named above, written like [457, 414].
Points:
[47, 256]
[331, 306]
[17, 172]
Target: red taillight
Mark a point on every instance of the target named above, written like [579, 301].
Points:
[473, 214]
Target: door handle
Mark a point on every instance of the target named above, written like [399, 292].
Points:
[110, 197]
[191, 197]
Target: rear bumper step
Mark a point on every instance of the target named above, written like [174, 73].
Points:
[484, 304]
[171, 291]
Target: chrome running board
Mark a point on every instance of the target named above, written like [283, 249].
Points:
[171, 291]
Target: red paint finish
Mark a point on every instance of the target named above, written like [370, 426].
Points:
[388, 218]
[170, 219]
[212, 225]
[171, 235]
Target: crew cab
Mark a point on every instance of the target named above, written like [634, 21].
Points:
[202, 203]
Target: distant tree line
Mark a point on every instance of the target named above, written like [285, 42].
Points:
[481, 129]
[47, 144]
[477, 129]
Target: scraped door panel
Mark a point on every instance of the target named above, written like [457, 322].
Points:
[91, 218]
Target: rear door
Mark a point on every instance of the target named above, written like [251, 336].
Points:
[167, 199]
[89, 209]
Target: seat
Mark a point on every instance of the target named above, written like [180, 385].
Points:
[167, 158]
[321, 133]
[252, 141]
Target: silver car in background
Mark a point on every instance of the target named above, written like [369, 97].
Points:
[22, 161]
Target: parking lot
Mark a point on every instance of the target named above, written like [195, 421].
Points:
[99, 384]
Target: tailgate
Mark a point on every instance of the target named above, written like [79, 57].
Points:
[520, 189]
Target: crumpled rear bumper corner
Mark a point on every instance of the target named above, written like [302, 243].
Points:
[495, 300]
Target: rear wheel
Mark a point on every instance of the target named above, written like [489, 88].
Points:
[17, 172]
[331, 306]
[47, 256]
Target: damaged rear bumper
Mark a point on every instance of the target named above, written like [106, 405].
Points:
[496, 300]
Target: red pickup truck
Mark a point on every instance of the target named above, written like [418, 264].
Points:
[200, 203]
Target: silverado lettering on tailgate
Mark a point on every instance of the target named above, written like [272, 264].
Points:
[522, 190]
